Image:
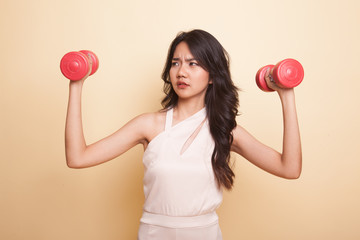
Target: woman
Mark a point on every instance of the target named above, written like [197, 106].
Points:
[187, 144]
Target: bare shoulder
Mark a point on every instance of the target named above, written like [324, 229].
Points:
[153, 123]
[152, 118]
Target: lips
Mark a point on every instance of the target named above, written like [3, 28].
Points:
[182, 84]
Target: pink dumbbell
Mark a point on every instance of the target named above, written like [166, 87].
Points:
[75, 65]
[286, 74]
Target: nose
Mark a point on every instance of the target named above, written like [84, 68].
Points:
[181, 73]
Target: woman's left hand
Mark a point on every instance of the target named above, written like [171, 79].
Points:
[271, 83]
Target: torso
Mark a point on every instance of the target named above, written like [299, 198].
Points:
[179, 180]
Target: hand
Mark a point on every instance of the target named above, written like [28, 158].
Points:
[90, 68]
[81, 81]
[271, 83]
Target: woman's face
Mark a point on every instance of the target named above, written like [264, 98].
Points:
[188, 78]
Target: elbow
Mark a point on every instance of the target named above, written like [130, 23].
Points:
[293, 170]
[73, 163]
[75, 159]
[293, 175]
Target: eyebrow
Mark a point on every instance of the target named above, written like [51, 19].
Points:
[186, 60]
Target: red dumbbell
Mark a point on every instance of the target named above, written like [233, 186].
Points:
[286, 74]
[75, 65]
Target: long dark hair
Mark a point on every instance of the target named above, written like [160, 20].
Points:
[221, 99]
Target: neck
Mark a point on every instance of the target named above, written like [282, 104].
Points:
[184, 108]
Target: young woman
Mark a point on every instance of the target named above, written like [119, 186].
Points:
[187, 143]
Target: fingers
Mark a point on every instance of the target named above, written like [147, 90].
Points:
[269, 80]
[90, 61]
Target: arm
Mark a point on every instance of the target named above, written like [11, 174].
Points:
[286, 164]
[79, 154]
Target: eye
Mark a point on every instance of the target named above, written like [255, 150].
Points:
[193, 64]
[174, 64]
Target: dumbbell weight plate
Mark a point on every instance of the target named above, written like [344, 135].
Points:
[94, 58]
[260, 78]
[288, 73]
[74, 65]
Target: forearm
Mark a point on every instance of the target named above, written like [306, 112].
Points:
[291, 155]
[75, 143]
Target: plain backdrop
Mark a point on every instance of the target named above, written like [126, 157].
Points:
[42, 199]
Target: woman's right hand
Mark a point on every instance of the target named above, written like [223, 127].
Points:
[81, 81]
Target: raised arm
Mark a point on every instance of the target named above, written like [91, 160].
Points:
[286, 164]
[81, 155]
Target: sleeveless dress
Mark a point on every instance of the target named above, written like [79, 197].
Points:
[181, 193]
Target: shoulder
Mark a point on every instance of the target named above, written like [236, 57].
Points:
[152, 118]
[151, 123]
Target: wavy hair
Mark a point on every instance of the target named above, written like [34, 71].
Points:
[221, 99]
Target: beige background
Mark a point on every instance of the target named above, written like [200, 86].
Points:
[43, 199]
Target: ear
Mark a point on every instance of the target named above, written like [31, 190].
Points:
[210, 81]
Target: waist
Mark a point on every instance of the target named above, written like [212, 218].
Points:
[179, 222]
